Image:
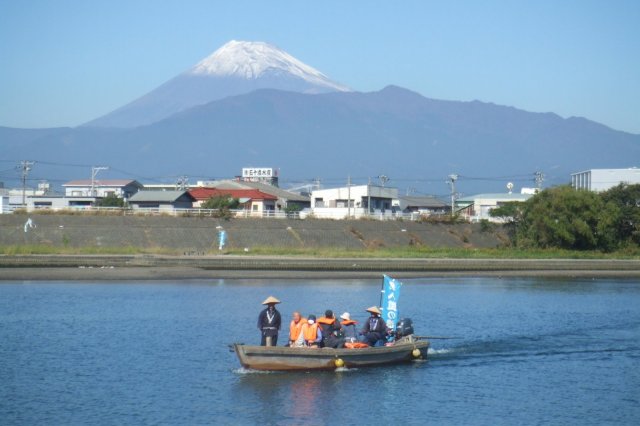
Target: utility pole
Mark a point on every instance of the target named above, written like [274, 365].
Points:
[25, 167]
[349, 197]
[94, 173]
[452, 183]
[368, 197]
[539, 178]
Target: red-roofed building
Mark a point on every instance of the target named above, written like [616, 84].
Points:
[257, 202]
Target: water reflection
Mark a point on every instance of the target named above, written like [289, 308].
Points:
[293, 396]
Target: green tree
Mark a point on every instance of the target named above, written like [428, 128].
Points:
[110, 200]
[223, 204]
[292, 208]
[511, 215]
[562, 217]
[627, 198]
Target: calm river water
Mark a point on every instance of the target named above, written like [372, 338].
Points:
[531, 351]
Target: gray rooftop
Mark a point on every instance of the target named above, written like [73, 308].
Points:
[496, 196]
[422, 201]
[277, 192]
[161, 196]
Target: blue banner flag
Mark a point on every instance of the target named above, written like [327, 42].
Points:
[389, 301]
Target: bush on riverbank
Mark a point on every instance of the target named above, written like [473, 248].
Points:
[563, 218]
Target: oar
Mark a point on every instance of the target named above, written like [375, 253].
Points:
[436, 337]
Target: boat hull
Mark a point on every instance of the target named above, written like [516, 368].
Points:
[289, 359]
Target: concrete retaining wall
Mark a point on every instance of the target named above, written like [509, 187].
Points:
[200, 235]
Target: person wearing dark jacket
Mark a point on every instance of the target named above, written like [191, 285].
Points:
[269, 322]
[374, 330]
[331, 330]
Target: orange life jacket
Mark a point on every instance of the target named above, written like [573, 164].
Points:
[294, 329]
[349, 322]
[325, 320]
[355, 345]
[310, 331]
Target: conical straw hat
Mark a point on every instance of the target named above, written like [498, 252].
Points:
[270, 299]
[374, 310]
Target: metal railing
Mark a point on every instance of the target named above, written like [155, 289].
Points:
[326, 213]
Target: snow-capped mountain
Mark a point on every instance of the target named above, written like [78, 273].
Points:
[253, 60]
[236, 68]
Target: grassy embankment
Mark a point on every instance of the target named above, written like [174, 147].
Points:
[397, 252]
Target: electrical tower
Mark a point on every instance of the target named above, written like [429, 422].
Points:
[25, 168]
[452, 183]
[383, 179]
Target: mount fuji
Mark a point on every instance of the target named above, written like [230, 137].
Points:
[253, 104]
[236, 68]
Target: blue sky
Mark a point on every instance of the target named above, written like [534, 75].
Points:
[65, 62]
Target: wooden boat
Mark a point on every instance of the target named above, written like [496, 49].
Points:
[280, 358]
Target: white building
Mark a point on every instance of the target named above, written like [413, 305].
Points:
[121, 188]
[603, 179]
[478, 207]
[18, 195]
[59, 202]
[354, 201]
[4, 204]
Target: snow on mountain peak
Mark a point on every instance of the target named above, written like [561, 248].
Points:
[252, 59]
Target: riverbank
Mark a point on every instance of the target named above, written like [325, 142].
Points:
[160, 267]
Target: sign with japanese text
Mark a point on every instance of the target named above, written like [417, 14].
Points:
[257, 172]
[389, 301]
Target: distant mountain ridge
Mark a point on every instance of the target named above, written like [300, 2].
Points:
[415, 140]
[236, 68]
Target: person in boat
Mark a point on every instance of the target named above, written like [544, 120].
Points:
[349, 328]
[331, 330]
[295, 328]
[374, 330]
[311, 333]
[269, 322]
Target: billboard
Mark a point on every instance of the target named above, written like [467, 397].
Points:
[258, 172]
